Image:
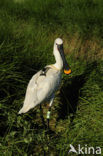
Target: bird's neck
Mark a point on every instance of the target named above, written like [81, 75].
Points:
[59, 62]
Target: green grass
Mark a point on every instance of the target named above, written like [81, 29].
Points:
[27, 33]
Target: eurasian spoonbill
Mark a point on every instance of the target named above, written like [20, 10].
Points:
[43, 84]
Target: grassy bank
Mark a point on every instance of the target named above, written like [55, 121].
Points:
[27, 32]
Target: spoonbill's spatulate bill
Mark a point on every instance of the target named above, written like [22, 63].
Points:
[44, 83]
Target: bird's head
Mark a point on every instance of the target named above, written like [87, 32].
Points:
[58, 48]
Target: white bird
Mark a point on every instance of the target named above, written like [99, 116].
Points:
[44, 83]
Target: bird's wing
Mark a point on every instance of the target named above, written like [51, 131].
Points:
[41, 86]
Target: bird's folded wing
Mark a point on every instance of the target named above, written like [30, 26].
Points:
[39, 88]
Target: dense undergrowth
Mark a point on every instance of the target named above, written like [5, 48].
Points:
[27, 32]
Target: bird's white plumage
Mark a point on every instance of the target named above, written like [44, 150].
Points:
[42, 87]
[58, 41]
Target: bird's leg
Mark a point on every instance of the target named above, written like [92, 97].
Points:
[41, 115]
[49, 111]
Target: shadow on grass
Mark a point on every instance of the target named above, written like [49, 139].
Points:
[70, 92]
